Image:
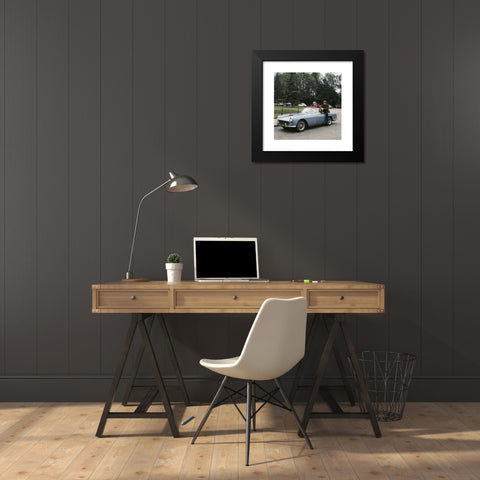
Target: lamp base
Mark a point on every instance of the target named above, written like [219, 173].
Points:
[135, 280]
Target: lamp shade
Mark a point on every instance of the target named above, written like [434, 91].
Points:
[181, 183]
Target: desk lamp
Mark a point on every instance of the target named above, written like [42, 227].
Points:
[176, 183]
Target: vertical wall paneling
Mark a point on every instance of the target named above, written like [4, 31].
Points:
[181, 107]
[340, 225]
[99, 99]
[308, 179]
[340, 180]
[149, 166]
[212, 117]
[276, 239]
[437, 186]
[212, 205]
[466, 104]
[20, 186]
[116, 161]
[372, 176]
[84, 184]
[2, 189]
[405, 177]
[182, 155]
[52, 187]
[244, 176]
[149, 135]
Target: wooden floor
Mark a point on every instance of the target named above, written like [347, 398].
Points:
[57, 441]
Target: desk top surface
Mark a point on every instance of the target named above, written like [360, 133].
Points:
[156, 284]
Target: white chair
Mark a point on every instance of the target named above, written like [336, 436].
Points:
[275, 344]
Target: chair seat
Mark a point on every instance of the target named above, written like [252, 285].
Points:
[231, 367]
[212, 364]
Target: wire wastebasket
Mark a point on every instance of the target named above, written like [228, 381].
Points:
[387, 376]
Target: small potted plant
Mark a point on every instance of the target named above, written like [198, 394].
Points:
[174, 268]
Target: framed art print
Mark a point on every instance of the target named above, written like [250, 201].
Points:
[307, 106]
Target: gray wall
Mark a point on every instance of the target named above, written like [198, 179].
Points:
[99, 99]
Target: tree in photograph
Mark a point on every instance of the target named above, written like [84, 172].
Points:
[291, 88]
[279, 88]
[303, 87]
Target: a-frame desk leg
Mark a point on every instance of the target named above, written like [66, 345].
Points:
[324, 390]
[139, 322]
[159, 380]
[337, 327]
[181, 384]
[136, 366]
[173, 358]
[301, 365]
[116, 379]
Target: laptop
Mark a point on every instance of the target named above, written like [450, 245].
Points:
[226, 259]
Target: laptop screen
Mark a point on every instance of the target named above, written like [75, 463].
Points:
[220, 258]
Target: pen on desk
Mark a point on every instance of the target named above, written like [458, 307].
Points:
[308, 281]
[187, 420]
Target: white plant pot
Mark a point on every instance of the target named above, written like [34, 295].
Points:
[174, 272]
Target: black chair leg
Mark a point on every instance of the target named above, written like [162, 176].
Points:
[248, 421]
[254, 408]
[250, 414]
[290, 406]
[210, 408]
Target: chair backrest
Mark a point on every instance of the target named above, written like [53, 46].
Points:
[276, 341]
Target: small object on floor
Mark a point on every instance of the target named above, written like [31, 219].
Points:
[188, 420]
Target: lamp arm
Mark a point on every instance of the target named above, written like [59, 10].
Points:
[129, 273]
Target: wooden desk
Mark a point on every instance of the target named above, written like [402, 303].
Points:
[149, 298]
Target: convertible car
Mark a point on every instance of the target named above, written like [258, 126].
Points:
[310, 117]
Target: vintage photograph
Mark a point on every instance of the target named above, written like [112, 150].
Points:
[304, 102]
[307, 106]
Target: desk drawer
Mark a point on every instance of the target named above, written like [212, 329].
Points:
[220, 299]
[340, 299]
[132, 299]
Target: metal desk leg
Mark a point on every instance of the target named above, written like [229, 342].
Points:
[340, 364]
[141, 411]
[181, 384]
[324, 391]
[173, 357]
[116, 378]
[159, 380]
[339, 413]
[301, 365]
[131, 384]
[322, 366]
[361, 382]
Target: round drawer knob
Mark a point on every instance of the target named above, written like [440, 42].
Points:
[341, 297]
[133, 297]
[235, 297]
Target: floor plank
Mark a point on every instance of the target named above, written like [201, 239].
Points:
[46, 441]
[70, 448]
[226, 449]
[42, 441]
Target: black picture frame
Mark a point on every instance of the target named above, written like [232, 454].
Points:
[267, 148]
